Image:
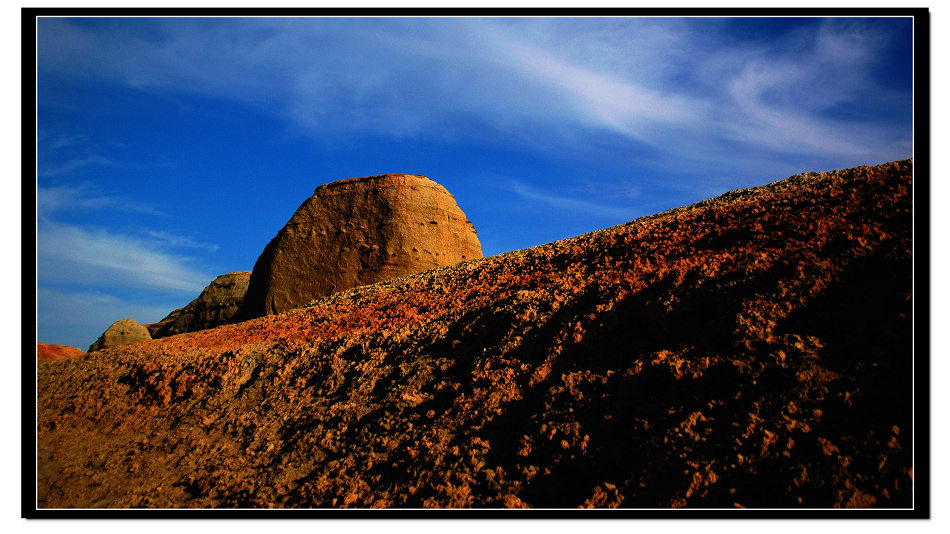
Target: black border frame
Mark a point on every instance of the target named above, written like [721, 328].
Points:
[921, 274]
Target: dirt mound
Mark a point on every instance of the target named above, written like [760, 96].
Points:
[214, 307]
[355, 232]
[750, 350]
[121, 332]
[46, 353]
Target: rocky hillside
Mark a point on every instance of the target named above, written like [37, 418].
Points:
[751, 350]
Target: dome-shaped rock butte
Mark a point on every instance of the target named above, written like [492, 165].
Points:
[213, 307]
[355, 232]
[122, 332]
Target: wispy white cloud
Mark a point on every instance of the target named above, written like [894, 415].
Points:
[180, 240]
[780, 99]
[621, 190]
[88, 255]
[96, 256]
[571, 204]
[83, 196]
[73, 165]
[57, 140]
[585, 91]
[52, 199]
[673, 84]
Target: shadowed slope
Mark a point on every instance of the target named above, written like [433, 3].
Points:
[750, 350]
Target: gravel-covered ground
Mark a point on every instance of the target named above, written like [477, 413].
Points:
[751, 350]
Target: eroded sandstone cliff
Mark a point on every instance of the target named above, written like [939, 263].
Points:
[355, 232]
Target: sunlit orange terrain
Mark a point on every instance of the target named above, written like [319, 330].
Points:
[751, 350]
[45, 352]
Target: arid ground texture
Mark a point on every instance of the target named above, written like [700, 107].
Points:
[752, 350]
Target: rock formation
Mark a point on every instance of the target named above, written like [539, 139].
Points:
[213, 307]
[48, 353]
[122, 332]
[753, 350]
[156, 329]
[356, 232]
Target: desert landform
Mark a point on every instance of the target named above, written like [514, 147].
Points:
[753, 350]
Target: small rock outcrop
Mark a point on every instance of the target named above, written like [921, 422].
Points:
[355, 232]
[48, 353]
[122, 332]
[213, 307]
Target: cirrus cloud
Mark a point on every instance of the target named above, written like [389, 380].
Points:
[687, 88]
[89, 255]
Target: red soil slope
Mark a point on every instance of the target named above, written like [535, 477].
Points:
[751, 350]
[46, 353]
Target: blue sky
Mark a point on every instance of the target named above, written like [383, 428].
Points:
[171, 150]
